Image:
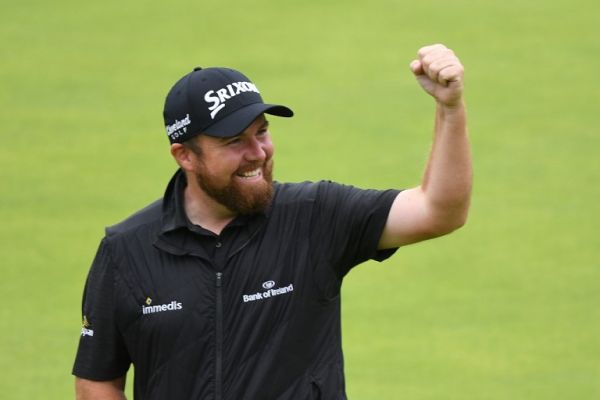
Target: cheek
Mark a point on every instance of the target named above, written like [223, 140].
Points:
[211, 169]
[220, 162]
[269, 149]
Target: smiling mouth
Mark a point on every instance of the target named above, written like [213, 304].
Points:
[250, 174]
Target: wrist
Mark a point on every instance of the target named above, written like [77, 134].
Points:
[453, 107]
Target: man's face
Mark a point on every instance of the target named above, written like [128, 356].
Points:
[237, 172]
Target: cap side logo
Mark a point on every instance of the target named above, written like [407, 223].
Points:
[220, 96]
[174, 130]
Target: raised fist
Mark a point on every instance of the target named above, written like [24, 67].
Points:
[440, 73]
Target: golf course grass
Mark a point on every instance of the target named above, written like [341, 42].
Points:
[506, 308]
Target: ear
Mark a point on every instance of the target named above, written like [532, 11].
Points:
[183, 156]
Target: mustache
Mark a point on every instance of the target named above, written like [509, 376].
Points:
[267, 164]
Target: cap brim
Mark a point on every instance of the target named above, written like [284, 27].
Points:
[237, 122]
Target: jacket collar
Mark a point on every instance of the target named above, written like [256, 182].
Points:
[178, 235]
[173, 216]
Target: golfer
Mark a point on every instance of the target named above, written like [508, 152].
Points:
[229, 286]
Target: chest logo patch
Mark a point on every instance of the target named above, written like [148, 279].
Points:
[270, 291]
[268, 284]
[172, 306]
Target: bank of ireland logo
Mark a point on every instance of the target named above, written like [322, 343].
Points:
[269, 291]
[268, 284]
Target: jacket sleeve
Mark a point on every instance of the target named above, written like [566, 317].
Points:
[347, 224]
[102, 354]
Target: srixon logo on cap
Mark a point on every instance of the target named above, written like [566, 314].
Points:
[220, 96]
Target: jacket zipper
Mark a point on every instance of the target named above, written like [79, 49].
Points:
[219, 340]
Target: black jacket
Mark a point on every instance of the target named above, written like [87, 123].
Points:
[251, 314]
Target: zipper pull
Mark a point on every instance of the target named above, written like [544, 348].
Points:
[219, 275]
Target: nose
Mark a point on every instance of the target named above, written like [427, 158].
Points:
[256, 150]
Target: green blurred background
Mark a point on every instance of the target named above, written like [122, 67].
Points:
[506, 308]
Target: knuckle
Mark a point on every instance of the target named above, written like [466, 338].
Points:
[445, 74]
[428, 59]
[434, 68]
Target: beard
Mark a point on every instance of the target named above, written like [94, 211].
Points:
[238, 198]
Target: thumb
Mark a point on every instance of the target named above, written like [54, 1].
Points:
[424, 81]
[416, 67]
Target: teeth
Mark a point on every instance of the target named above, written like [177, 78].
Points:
[250, 174]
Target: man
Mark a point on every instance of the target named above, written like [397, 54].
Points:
[228, 287]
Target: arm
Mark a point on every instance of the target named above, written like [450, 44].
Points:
[440, 204]
[86, 389]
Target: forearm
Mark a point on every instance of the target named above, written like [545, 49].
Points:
[440, 204]
[105, 390]
[447, 180]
